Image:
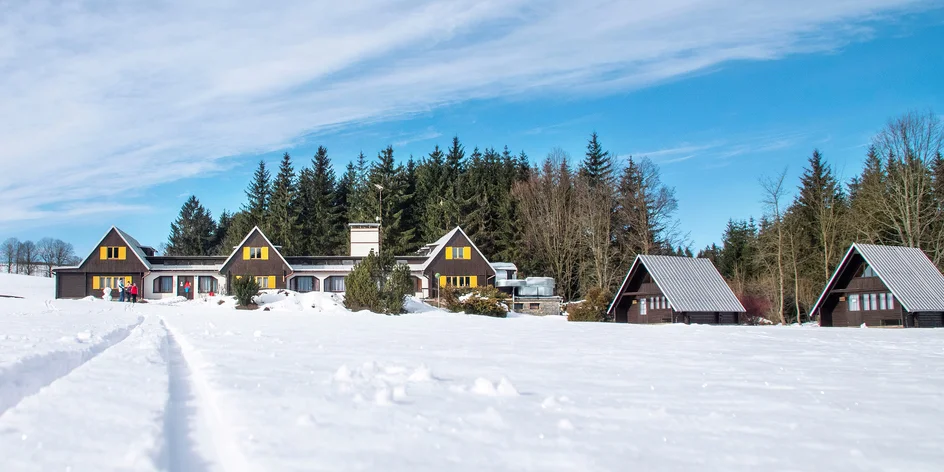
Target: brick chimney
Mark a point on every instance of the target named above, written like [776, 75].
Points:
[365, 237]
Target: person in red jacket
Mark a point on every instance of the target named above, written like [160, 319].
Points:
[134, 293]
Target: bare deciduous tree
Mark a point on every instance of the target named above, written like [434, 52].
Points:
[773, 200]
[26, 257]
[594, 214]
[9, 251]
[46, 253]
[546, 204]
[646, 210]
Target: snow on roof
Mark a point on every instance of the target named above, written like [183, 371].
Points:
[503, 266]
[131, 242]
[689, 284]
[241, 243]
[906, 271]
[441, 242]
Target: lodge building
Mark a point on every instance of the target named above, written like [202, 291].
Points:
[883, 286]
[671, 289]
[451, 260]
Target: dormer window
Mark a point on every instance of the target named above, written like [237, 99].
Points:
[868, 272]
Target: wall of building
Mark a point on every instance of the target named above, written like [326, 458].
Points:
[150, 294]
[543, 306]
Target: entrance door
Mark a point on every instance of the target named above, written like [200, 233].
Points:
[185, 286]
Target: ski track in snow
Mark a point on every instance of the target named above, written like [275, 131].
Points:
[29, 375]
[192, 419]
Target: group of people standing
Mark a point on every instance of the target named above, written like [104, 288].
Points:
[129, 293]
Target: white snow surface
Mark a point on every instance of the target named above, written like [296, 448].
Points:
[194, 385]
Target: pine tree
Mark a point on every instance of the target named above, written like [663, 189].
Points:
[322, 218]
[193, 231]
[258, 194]
[410, 242]
[597, 166]
[222, 229]
[430, 195]
[359, 195]
[819, 209]
[396, 237]
[282, 220]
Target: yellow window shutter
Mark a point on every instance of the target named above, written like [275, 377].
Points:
[467, 253]
[238, 277]
[442, 281]
[448, 253]
[245, 253]
[122, 253]
[265, 253]
[96, 282]
[103, 253]
[271, 277]
[127, 280]
[473, 280]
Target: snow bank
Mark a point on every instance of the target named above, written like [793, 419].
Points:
[27, 286]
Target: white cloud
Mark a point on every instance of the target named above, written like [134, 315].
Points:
[99, 99]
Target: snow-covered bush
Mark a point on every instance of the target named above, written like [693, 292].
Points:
[244, 288]
[488, 301]
[377, 285]
[591, 309]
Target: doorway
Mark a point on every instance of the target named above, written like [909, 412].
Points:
[185, 286]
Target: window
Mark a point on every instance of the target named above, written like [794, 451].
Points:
[642, 306]
[304, 284]
[113, 253]
[256, 253]
[873, 301]
[164, 284]
[662, 303]
[458, 252]
[207, 284]
[263, 281]
[417, 284]
[459, 281]
[519, 306]
[868, 272]
[866, 305]
[891, 301]
[534, 306]
[881, 302]
[853, 300]
[110, 281]
[335, 283]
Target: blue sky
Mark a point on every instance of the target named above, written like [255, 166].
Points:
[117, 127]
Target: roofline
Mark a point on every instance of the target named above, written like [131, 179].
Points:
[241, 243]
[878, 273]
[622, 285]
[120, 235]
[440, 247]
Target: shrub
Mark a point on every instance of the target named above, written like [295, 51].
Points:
[488, 301]
[377, 285]
[244, 288]
[591, 309]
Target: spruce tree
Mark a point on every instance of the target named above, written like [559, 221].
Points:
[396, 236]
[322, 218]
[258, 194]
[282, 227]
[818, 210]
[222, 229]
[359, 194]
[430, 195]
[597, 166]
[193, 232]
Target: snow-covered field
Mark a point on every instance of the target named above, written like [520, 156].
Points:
[189, 386]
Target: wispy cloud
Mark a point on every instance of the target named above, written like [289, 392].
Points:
[721, 151]
[98, 100]
[404, 139]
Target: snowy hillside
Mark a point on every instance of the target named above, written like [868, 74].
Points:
[89, 385]
[16, 285]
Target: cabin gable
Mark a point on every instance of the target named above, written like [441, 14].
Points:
[460, 263]
[857, 295]
[640, 299]
[257, 257]
[113, 255]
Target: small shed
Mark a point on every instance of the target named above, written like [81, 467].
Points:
[883, 286]
[671, 289]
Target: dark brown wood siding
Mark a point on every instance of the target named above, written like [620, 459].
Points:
[273, 266]
[476, 266]
[835, 307]
[130, 265]
[99, 293]
[70, 285]
[640, 286]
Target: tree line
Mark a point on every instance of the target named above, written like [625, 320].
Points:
[780, 263]
[583, 221]
[36, 258]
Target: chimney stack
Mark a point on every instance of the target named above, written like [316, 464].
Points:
[365, 237]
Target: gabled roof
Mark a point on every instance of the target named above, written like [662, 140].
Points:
[906, 271]
[131, 242]
[243, 242]
[689, 284]
[440, 244]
